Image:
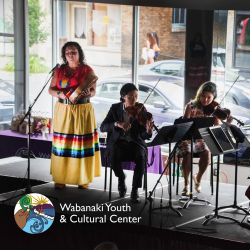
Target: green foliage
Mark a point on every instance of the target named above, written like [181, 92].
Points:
[10, 66]
[38, 32]
[36, 65]
[6, 24]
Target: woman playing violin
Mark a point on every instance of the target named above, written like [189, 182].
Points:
[205, 95]
[125, 140]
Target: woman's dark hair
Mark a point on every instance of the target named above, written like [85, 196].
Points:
[205, 87]
[126, 88]
[151, 39]
[80, 51]
[156, 37]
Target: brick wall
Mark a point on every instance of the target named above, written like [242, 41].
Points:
[152, 19]
[220, 30]
[126, 39]
[159, 20]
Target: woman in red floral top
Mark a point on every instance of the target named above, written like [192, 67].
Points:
[75, 157]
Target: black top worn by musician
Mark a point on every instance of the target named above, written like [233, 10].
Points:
[138, 132]
[123, 146]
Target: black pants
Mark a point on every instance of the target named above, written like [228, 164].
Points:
[128, 151]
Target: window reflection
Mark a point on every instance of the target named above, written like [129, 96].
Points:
[154, 97]
[7, 86]
[80, 23]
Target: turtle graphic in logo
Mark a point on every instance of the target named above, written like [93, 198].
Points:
[34, 213]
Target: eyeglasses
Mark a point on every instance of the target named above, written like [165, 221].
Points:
[71, 53]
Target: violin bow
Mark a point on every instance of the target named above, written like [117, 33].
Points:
[146, 100]
[229, 89]
[239, 122]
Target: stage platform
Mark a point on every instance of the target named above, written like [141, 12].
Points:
[95, 195]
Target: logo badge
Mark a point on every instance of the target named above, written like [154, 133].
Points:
[34, 213]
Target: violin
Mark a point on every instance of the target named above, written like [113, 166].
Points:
[221, 113]
[140, 113]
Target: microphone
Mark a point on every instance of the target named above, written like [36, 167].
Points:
[57, 65]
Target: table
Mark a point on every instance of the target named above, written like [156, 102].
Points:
[15, 144]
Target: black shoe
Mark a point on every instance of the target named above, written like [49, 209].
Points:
[135, 196]
[122, 188]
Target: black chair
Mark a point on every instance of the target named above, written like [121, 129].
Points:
[111, 173]
[110, 183]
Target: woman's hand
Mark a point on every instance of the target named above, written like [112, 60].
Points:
[62, 95]
[149, 126]
[188, 111]
[229, 119]
[86, 93]
[124, 125]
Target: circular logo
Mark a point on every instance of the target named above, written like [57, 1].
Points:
[23, 151]
[34, 213]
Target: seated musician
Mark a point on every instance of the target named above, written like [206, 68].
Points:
[126, 141]
[205, 95]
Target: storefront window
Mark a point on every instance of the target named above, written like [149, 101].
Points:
[230, 63]
[40, 52]
[7, 88]
[242, 39]
[162, 56]
[104, 32]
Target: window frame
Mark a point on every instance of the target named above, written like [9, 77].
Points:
[236, 12]
[173, 17]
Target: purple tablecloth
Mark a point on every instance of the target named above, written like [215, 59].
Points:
[15, 144]
[154, 159]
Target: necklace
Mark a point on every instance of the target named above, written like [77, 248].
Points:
[65, 81]
[67, 74]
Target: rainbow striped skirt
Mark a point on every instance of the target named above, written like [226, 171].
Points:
[75, 157]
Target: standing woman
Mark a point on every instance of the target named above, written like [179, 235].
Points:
[158, 45]
[151, 41]
[75, 155]
[206, 93]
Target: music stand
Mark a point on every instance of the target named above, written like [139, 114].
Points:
[174, 133]
[214, 146]
[239, 138]
[194, 134]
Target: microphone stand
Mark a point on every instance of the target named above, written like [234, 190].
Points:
[28, 189]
